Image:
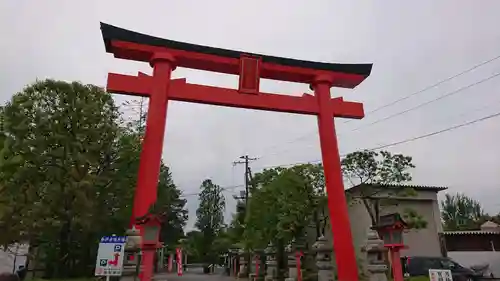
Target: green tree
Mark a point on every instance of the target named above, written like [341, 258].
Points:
[309, 186]
[172, 229]
[461, 212]
[192, 245]
[379, 177]
[236, 228]
[223, 243]
[210, 217]
[314, 180]
[67, 173]
[289, 199]
[60, 139]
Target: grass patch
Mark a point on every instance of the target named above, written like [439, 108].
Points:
[69, 279]
[418, 278]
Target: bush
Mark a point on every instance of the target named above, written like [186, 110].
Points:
[418, 278]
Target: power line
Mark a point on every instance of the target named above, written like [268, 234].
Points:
[432, 86]
[418, 106]
[438, 132]
[402, 98]
[481, 108]
[405, 140]
[226, 188]
[428, 102]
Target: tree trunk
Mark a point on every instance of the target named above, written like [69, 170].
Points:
[317, 223]
[369, 209]
[62, 266]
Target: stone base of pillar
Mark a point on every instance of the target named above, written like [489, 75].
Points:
[243, 272]
[309, 275]
[326, 275]
[377, 272]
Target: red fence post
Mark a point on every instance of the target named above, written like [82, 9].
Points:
[298, 257]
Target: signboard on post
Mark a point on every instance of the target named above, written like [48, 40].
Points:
[178, 251]
[440, 275]
[110, 256]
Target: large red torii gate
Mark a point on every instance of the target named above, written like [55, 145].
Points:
[165, 55]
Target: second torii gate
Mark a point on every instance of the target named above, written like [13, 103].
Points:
[165, 55]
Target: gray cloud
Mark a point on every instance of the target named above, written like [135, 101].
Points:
[412, 45]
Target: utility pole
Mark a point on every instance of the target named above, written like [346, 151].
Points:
[248, 176]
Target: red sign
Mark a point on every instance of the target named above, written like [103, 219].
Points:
[178, 251]
[115, 261]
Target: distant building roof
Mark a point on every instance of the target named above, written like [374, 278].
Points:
[471, 232]
[489, 225]
[389, 186]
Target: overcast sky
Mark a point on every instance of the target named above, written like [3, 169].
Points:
[413, 44]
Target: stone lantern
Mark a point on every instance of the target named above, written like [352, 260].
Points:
[324, 259]
[132, 251]
[272, 268]
[375, 257]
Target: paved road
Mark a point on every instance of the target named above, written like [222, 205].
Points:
[190, 276]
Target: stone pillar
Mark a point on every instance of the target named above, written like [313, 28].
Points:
[131, 263]
[376, 267]
[271, 271]
[232, 254]
[324, 259]
[243, 272]
[309, 268]
[292, 264]
[262, 265]
[252, 276]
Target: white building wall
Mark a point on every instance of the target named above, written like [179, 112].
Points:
[15, 253]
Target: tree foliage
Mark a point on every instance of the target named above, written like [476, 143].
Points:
[210, 217]
[67, 173]
[192, 245]
[379, 177]
[460, 212]
[289, 199]
[236, 228]
[60, 143]
[372, 167]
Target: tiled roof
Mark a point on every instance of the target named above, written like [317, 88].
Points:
[416, 187]
[471, 232]
[489, 224]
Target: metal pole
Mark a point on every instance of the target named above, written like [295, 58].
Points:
[15, 259]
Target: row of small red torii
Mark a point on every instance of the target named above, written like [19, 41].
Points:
[165, 55]
[178, 259]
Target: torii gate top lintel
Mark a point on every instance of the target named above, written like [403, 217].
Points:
[131, 45]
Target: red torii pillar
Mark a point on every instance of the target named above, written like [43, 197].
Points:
[164, 55]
